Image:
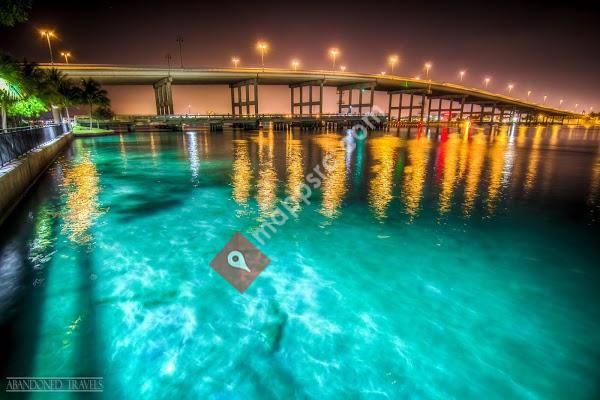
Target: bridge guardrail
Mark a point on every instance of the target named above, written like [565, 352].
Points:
[20, 141]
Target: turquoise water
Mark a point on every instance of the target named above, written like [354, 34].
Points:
[429, 264]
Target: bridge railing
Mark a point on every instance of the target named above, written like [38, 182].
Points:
[17, 142]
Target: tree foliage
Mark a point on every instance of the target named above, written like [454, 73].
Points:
[29, 107]
[13, 12]
[26, 91]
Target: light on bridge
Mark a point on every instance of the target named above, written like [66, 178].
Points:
[66, 55]
[510, 87]
[393, 60]
[235, 62]
[295, 64]
[334, 52]
[48, 34]
[343, 68]
[487, 81]
[462, 74]
[262, 47]
[427, 66]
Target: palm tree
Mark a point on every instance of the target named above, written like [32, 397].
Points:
[11, 86]
[93, 95]
[60, 90]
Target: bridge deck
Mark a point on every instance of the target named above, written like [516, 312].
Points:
[148, 75]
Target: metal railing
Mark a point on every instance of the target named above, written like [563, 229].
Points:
[19, 141]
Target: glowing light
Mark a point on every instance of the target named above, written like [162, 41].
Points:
[262, 47]
[510, 87]
[560, 102]
[334, 52]
[528, 93]
[427, 66]
[462, 74]
[66, 55]
[487, 81]
[235, 61]
[342, 68]
[545, 97]
[295, 64]
[48, 34]
[382, 72]
[393, 60]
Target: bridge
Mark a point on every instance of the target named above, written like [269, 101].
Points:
[410, 100]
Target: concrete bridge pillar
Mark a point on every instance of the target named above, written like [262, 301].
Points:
[244, 102]
[311, 103]
[164, 96]
[349, 107]
[415, 107]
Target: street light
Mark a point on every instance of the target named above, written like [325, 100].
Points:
[262, 46]
[560, 102]
[462, 74]
[334, 53]
[510, 87]
[393, 60]
[487, 82]
[545, 97]
[180, 42]
[427, 68]
[48, 35]
[66, 55]
[235, 61]
[295, 64]
[342, 68]
[528, 94]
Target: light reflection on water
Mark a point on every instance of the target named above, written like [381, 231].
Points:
[430, 263]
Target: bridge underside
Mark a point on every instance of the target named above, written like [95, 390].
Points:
[410, 100]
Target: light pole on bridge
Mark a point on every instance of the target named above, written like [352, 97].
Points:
[262, 46]
[48, 35]
[168, 57]
[180, 41]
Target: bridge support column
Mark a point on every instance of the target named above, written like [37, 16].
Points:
[450, 109]
[164, 96]
[311, 103]
[249, 102]
[370, 86]
[416, 107]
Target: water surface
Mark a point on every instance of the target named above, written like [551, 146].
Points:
[429, 264]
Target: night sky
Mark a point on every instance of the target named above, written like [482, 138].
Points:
[551, 50]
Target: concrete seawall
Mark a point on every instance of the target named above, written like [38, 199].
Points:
[17, 177]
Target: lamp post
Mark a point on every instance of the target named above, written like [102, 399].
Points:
[393, 60]
[510, 87]
[262, 47]
[66, 55]
[528, 94]
[545, 97]
[334, 53]
[168, 57]
[342, 68]
[462, 75]
[487, 81]
[295, 64]
[48, 35]
[235, 61]
[180, 42]
[427, 68]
